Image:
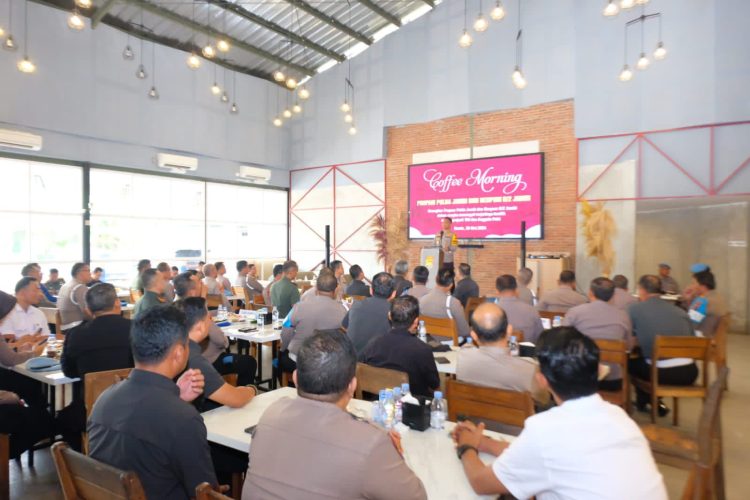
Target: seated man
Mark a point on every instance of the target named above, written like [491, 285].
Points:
[491, 364]
[221, 278]
[600, 320]
[320, 312]
[525, 294]
[583, 449]
[213, 285]
[71, 301]
[143, 425]
[197, 321]
[358, 285]
[33, 270]
[520, 315]
[166, 274]
[654, 316]
[277, 275]
[137, 284]
[401, 350]
[622, 298]
[345, 457]
[466, 287]
[420, 274]
[248, 283]
[96, 277]
[153, 284]
[439, 303]
[175, 272]
[564, 297]
[285, 293]
[25, 319]
[368, 319]
[400, 283]
[668, 283]
[55, 282]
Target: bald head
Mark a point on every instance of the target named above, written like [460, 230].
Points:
[489, 323]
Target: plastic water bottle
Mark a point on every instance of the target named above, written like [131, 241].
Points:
[405, 391]
[422, 331]
[377, 408]
[557, 321]
[276, 325]
[389, 409]
[438, 411]
[222, 312]
[513, 346]
[398, 412]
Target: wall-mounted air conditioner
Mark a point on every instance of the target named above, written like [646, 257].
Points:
[14, 139]
[176, 163]
[254, 174]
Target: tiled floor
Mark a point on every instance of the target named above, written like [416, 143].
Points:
[41, 482]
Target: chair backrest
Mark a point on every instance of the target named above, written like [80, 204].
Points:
[303, 287]
[95, 383]
[616, 352]
[550, 315]
[471, 304]
[205, 491]
[355, 297]
[135, 295]
[371, 379]
[238, 290]
[58, 326]
[719, 341]
[709, 425]
[230, 378]
[498, 405]
[258, 299]
[83, 478]
[667, 347]
[441, 327]
[214, 300]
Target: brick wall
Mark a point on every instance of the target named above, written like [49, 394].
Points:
[551, 124]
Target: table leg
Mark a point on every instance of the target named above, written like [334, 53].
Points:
[259, 376]
[274, 355]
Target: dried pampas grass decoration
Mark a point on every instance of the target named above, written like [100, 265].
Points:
[390, 244]
[598, 228]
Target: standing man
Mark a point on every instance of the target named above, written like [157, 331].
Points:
[71, 302]
[564, 297]
[448, 242]
[668, 283]
[285, 293]
[143, 264]
[55, 282]
[466, 287]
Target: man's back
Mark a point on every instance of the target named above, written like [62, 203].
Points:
[560, 299]
[466, 288]
[622, 299]
[400, 284]
[366, 320]
[169, 454]
[599, 320]
[70, 303]
[318, 313]
[418, 291]
[284, 295]
[439, 304]
[343, 459]
[656, 316]
[522, 317]
[358, 287]
[525, 295]
[147, 301]
[100, 345]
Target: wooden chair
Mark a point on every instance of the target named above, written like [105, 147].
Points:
[718, 351]
[471, 304]
[4, 464]
[303, 287]
[550, 315]
[83, 478]
[371, 379]
[214, 301]
[258, 299]
[695, 348]
[701, 453]
[238, 290]
[498, 405]
[58, 326]
[205, 491]
[230, 378]
[355, 298]
[616, 352]
[441, 327]
[94, 384]
[135, 295]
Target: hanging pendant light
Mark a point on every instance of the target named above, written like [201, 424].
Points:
[153, 93]
[277, 122]
[660, 52]
[626, 74]
[641, 2]
[193, 61]
[215, 89]
[25, 65]
[287, 113]
[297, 108]
[128, 54]
[84, 4]
[627, 4]
[224, 97]
[291, 83]
[498, 12]
[9, 43]
[279, 76]
[345, 107]
[465, 40]
[348, 118]
[303, 93]
[481, 24]
[209, 52]
[517, 77]
[519, 81]
[234, 109]
[75, 21]
[611, 9]
[141, 72]
[352, 130]
[223, 45]
[643, 62]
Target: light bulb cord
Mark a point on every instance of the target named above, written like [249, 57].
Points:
[519, 39]
[25, 29]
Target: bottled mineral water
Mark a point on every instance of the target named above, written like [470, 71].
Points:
[389, 409]
[513, 347]
[556, 321]
[398, 413]
[221, 313]
[438, 411]
[276, 318]
[377, 408]
[405, 391]
[422, 331]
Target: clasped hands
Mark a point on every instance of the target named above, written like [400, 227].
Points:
[471, 434]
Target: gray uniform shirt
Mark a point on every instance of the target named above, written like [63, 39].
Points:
[560, 299]
[366, 320]
[418, 291]
[622, 299]
[440, 304]
[449, 247]
[317, 313]
[525, 295]
[71, 302]
[522, 317]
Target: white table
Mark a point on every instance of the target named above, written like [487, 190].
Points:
[263, 335]
[452, 356]
[430, 454]
[52, 378]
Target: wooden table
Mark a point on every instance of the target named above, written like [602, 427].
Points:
[264, 335]
[430, 454]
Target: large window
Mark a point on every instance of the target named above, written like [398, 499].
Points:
[41, 217]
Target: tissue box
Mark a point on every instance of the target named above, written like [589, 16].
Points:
[417, 417]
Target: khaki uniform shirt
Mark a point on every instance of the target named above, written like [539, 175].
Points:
[317, 313]
[71, 301]
[522, 317]
[525, 295]
[309, 449]
[560, 299]
[438, 303]
[418, 291]
[622, 299]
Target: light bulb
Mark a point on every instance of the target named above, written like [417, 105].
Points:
[279, 76]
[291, 83]
[465, 40]
[234, 109]
[643, 62]
[76, 22]
[127, 54]
[481, 23]
[25, 65]
[611, 9]
[641, 2]
[224, 97]
[627, 4]
[141, 73]
[10, 43]
[345, 107]
[352, 130]
[297, 108]
[215, 89]
[277, 122]
[497, 12]
[153, 93]
[223, 45]
[518, 79]
[626, 74]
[2, 31]
[287, 113]
[84, 4]
[193, 61]
[348, 118]
[209, 51]
[660, 52]
[303, 93]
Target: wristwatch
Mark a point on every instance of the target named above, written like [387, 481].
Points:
[463, 449]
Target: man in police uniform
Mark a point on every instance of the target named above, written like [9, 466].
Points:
[564, 297]
[448, 242]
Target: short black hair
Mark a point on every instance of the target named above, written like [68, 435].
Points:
[404, 310]
[506, 282]
[101, 297]
[569, 360]
[335, 264]
[148, 277]
[175, 268]
[401, 267]
[382, 285]
[143, 264]
[54, 270]
[326, 364]
[98, 270]
[445, 276]
[154, 333]
[201, 263]
[24, 282]
[241, 265]
[448, 219]
[219, 265]
[421, 275]
[183, 283]
[25, 270]
[650, 283]
[326, 282]
[277, 269]
[77, 268]
[567, 276]
[705, 278]
[194, 309]
[492, 331]
[603, 288]
[288, 266]
[464, 269]
[355, 271]
[620, 281]
[162, 266]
